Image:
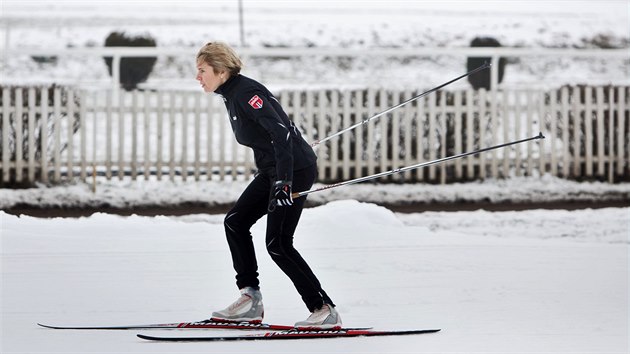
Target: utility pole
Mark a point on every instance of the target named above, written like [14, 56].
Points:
[240, 22]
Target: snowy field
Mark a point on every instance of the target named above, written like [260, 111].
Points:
[529, 288]
[346, 24]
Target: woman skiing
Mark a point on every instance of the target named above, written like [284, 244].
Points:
[285, 163]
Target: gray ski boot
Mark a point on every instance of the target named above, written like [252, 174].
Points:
[248, 308]
[324, 318]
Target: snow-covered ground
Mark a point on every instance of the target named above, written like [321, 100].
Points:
[494, 282]
[542, 281]
[349, 24]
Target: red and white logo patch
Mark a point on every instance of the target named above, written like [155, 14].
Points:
[256, 102]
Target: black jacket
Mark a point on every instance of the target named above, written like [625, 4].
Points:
[259, 122]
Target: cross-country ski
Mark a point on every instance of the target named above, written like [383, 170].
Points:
[206, 324]
[292, 334]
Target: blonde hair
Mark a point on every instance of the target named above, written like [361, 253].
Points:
[220, 56]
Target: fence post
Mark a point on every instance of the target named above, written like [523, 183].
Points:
[371, 146]
[494, 121]
[134, 135]
[443, 135]
[611, 134]
[542, 163]
[470, 166]
[383, 141]
[406, 116]
[6, 105]
[627, 145]
[184, 145]
[517, 126]
[70, 111]
[600, 130]
[576, 132]
[566, 141]
[31, 133]
[57, 134]
[496, 124]
[19, 138]
[171, 136]
[334, 126]
[482, 131]
[432, 128]
[83, 128]
[160, 134]
[506, 132]
[529, 132]
[108, 138]
[346, 138]
[588, 128]
[209, 137]
[321, 121]
[197, 110]
[222, 149]
[621, 114]
[121, 134]
[44, 133]
[553, 97]
[358, 147]
[147, 135]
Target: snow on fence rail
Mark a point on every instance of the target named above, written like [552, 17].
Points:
[55, 134]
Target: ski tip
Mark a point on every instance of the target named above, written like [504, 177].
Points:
[418, 331]
[56, 327]
[46, 326]
[158, 338]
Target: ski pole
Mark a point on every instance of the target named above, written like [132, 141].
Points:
[482, 67]
[412, 167]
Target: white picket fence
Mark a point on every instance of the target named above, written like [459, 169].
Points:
[186, 135]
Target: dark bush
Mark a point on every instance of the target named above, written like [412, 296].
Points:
[482, 78]
[132, 70]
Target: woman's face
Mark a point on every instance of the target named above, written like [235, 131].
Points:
[208, 79]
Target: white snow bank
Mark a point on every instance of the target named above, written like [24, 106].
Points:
[611, 225]
[606, 225]
[153, 193]
[513, 190]
[352, 213]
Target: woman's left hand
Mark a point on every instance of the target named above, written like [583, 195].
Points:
[281, 195]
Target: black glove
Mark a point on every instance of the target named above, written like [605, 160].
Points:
[281, 195]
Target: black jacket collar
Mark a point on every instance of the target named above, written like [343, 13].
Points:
[228, 87]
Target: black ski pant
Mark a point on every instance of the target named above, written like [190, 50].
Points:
[281, 224]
